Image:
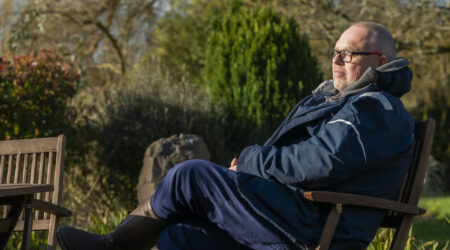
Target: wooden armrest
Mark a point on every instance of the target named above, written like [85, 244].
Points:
[362, 200]
[49, 208]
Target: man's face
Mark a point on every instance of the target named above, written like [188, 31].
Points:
[353, 39]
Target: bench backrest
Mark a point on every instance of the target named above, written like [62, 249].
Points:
[37, 161]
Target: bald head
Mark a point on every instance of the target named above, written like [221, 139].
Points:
[371, 38]
[378, 38]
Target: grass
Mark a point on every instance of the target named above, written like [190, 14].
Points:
[431, 231]
[437, 206]
[38, 240]
[435, 224]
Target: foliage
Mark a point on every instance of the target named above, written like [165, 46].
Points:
[435, 223]
[428, 232]
[441, 145]
[384, 237]
[258, 67]
[383, 240]
[181, 34]
[438, 207]
[38, 240]
[107, 224]
[152, 106]
[35, 92]
[432, 230]
[104, 38]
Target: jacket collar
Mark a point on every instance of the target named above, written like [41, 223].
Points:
[393, 77]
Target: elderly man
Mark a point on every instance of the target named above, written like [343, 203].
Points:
[351, 135]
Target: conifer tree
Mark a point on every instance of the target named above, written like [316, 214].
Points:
[258, 67]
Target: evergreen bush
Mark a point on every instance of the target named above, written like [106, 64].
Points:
[257, 68]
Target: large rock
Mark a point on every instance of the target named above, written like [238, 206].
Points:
[164, 154]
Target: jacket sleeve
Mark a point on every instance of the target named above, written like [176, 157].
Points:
[361, 135]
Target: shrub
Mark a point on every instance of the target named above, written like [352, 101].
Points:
[257, 67]
[35, 90]
[152, 105]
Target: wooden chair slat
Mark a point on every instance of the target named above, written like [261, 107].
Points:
[5, 211]
[33, 168]
[10, 163]
[58, 180]
[39, 181]
[5, 208]
[24, 175]
[2, 167]
[25, 168]
[36, 161]
[2, 170]
[17, 168]
[48, 177]
[41, 168]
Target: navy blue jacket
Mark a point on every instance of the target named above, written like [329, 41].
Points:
[358, 141]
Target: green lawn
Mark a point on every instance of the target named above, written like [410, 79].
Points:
[435, 224]
[431, 231]
[436, 206]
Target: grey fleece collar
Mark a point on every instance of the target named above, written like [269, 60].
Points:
[370, 76]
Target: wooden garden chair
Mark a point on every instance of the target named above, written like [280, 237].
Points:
[400, 213]
[36, 161]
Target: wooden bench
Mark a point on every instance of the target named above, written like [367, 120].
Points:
[35, 161]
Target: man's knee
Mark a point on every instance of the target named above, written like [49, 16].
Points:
[194, 163]
[201, 174]
[194, 167]
[187, 168]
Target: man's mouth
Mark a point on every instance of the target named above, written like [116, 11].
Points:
[337, 73]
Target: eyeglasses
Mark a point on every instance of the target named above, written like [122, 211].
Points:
[346, 55]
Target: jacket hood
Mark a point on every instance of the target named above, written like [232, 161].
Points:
[393, 77]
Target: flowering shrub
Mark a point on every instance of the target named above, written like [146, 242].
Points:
[35, 90]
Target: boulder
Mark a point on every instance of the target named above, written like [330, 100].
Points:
[164, 154]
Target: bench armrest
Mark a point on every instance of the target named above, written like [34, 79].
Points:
[362, 200]
[49, 208]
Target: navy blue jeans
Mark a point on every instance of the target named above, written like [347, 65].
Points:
[204, 210]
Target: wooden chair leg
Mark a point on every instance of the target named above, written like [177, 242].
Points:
[27, 228]
[330, 227]
[51, 242]
[401, 234]
[17, 204]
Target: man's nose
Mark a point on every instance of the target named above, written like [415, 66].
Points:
[337, 59]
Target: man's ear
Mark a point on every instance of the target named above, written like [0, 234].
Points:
[382, 60]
